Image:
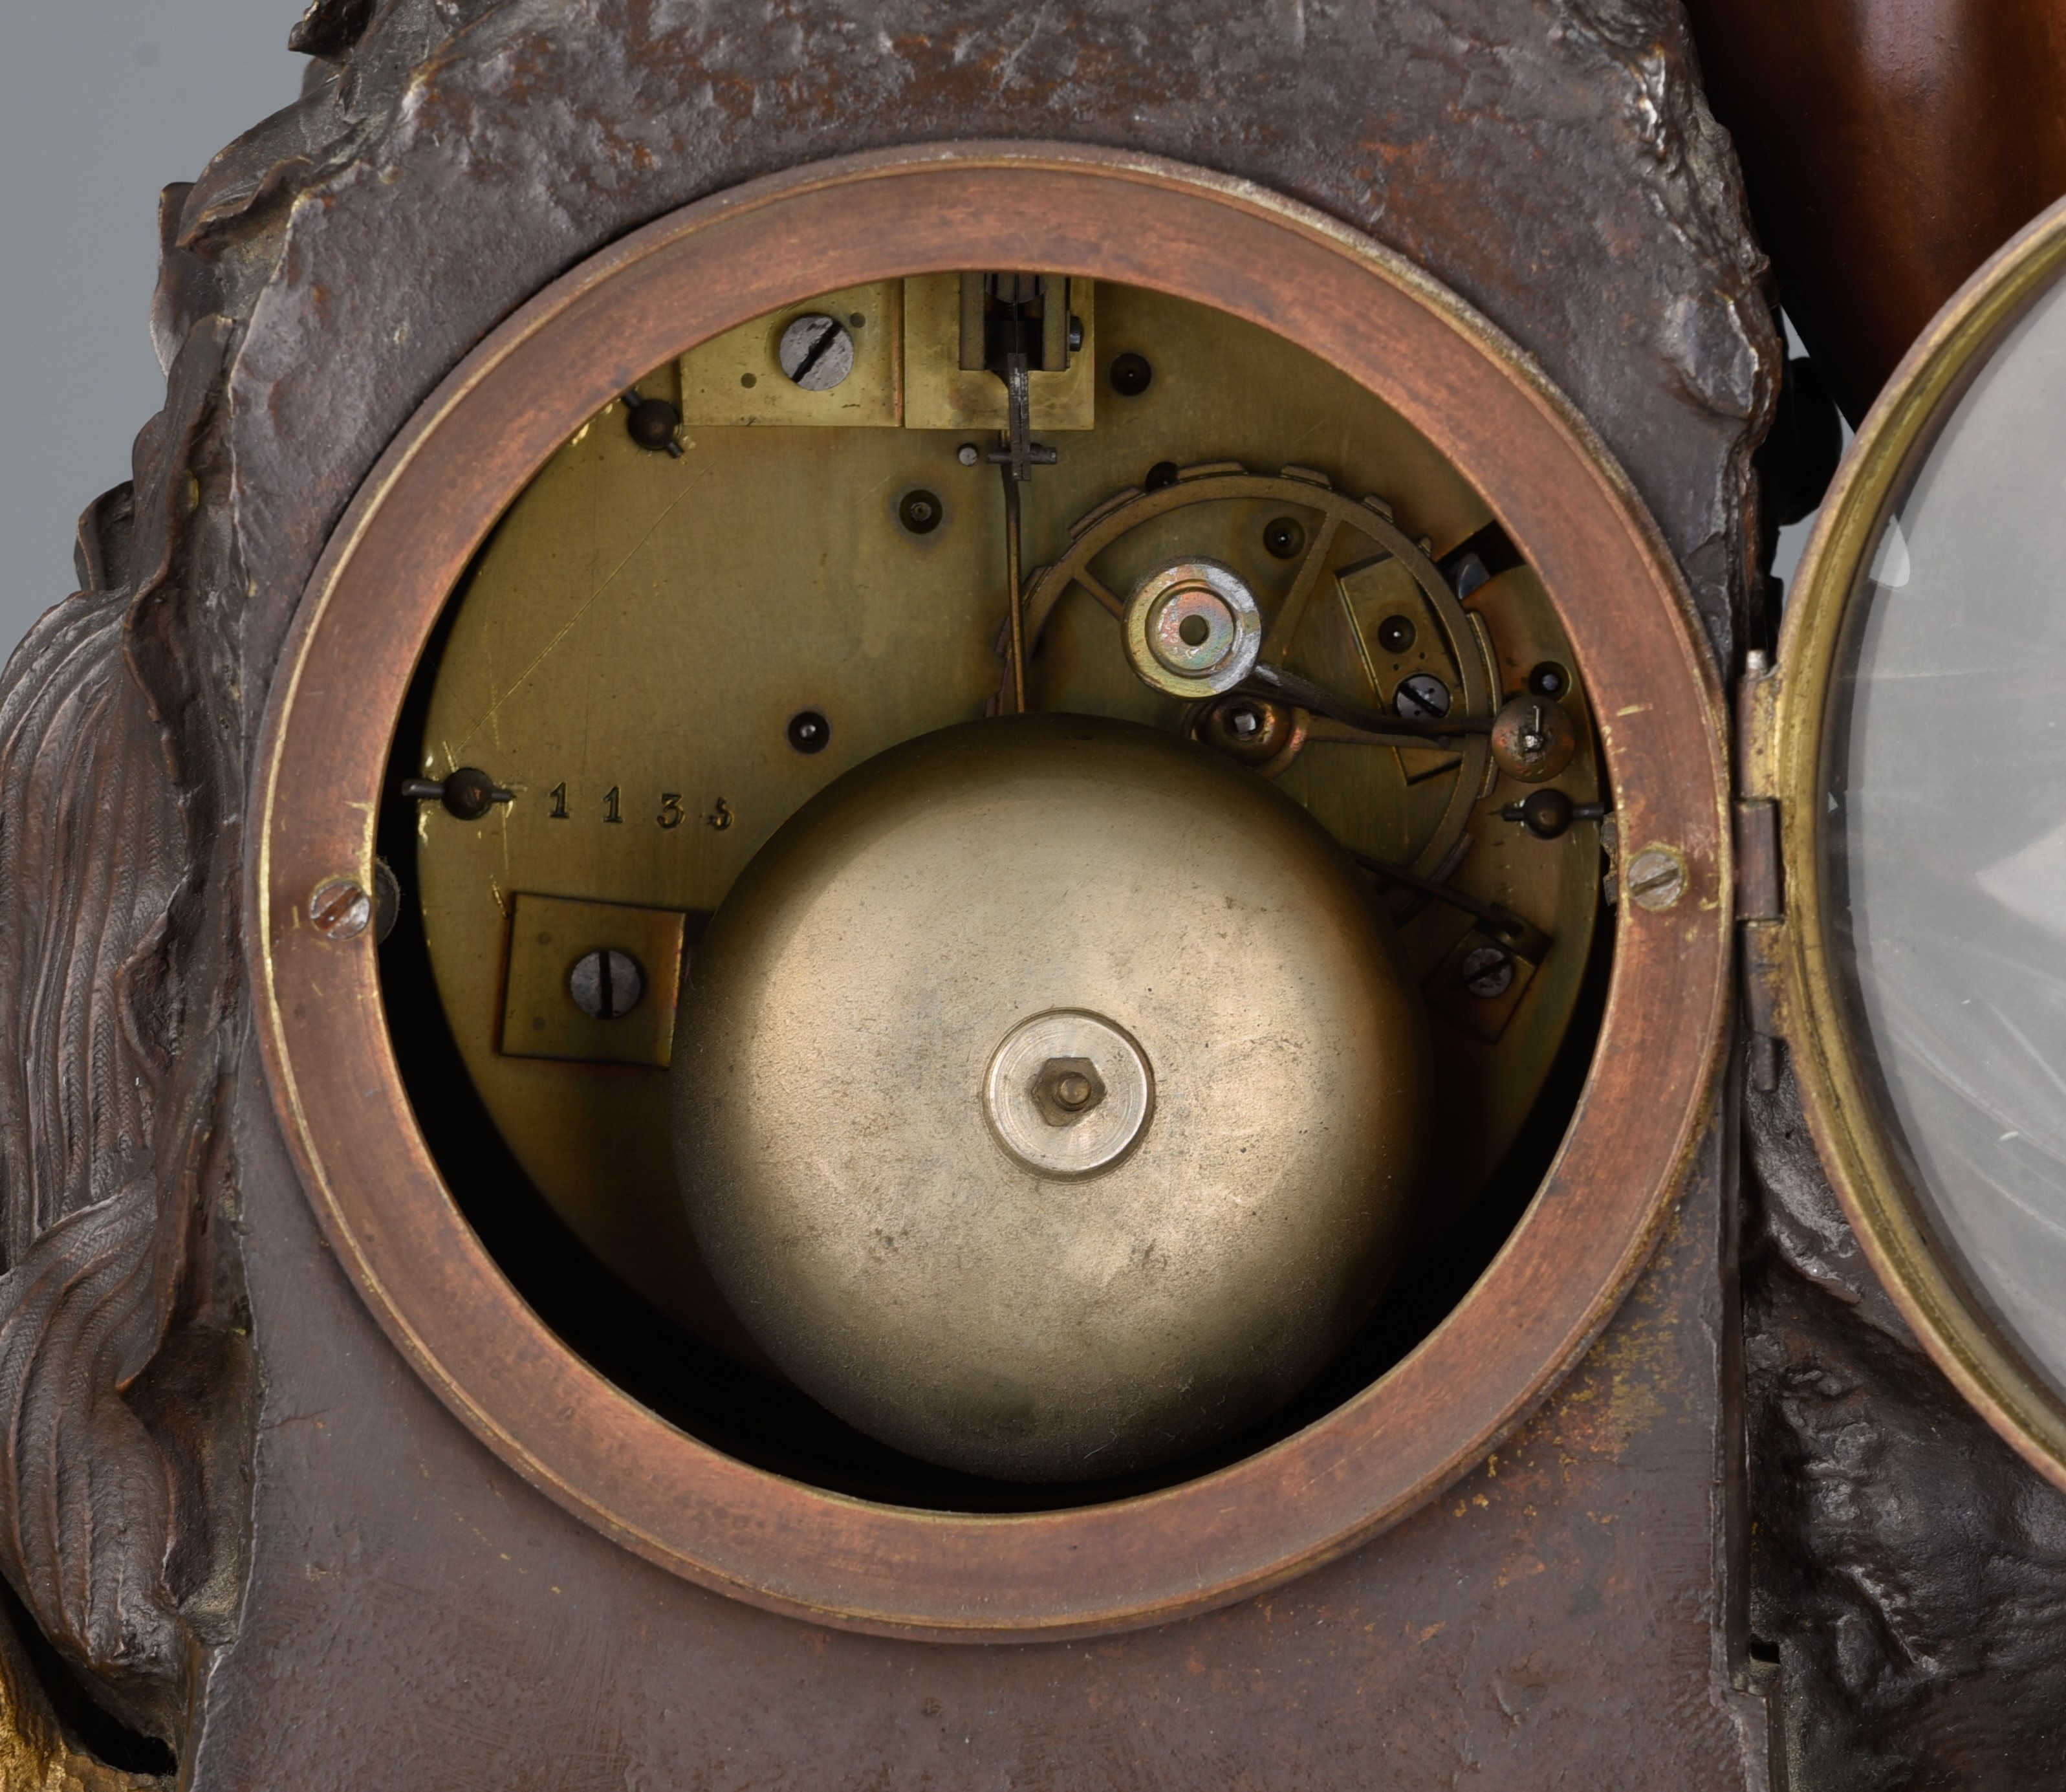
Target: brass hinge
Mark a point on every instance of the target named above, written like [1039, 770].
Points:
[1761, 891]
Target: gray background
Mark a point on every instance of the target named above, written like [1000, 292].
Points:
[102, 103]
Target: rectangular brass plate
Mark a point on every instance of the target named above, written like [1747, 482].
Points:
[547, 936]
[736, 378]
[939, 393]
[1485, 1016]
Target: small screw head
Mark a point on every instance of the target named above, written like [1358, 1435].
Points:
[816, 352]
[1131, 375]
[809, 731]
[651, 422]
[968, 454]
[1395, 634]
[341, 909]
[1486, 972]
[1423, 694]
[1246, 728]
[1285, 537]
[606, 984]
[920, 512]
[1657, 877]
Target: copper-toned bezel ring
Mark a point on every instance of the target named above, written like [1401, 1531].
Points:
[392, 565]
[1839, 1091]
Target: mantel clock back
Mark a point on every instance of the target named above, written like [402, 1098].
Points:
[887, 917]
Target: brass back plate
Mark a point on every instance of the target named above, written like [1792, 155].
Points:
[640, 631]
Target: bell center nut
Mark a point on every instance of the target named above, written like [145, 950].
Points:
[1068, 1094]
[1048, 1101]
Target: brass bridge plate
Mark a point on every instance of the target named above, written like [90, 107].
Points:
[549, 939]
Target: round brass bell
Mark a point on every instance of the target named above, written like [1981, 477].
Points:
[1048, 1100]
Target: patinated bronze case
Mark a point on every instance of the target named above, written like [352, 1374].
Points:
[297, 1480]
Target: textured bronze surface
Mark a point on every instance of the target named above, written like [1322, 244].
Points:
[1555, 1606]
[895, 1217]
[124, 1342]
[1905, 1564]
[422, 517]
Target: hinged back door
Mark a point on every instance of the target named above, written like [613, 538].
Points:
[1902, 837]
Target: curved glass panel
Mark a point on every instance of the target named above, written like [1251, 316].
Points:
[1945, 831]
